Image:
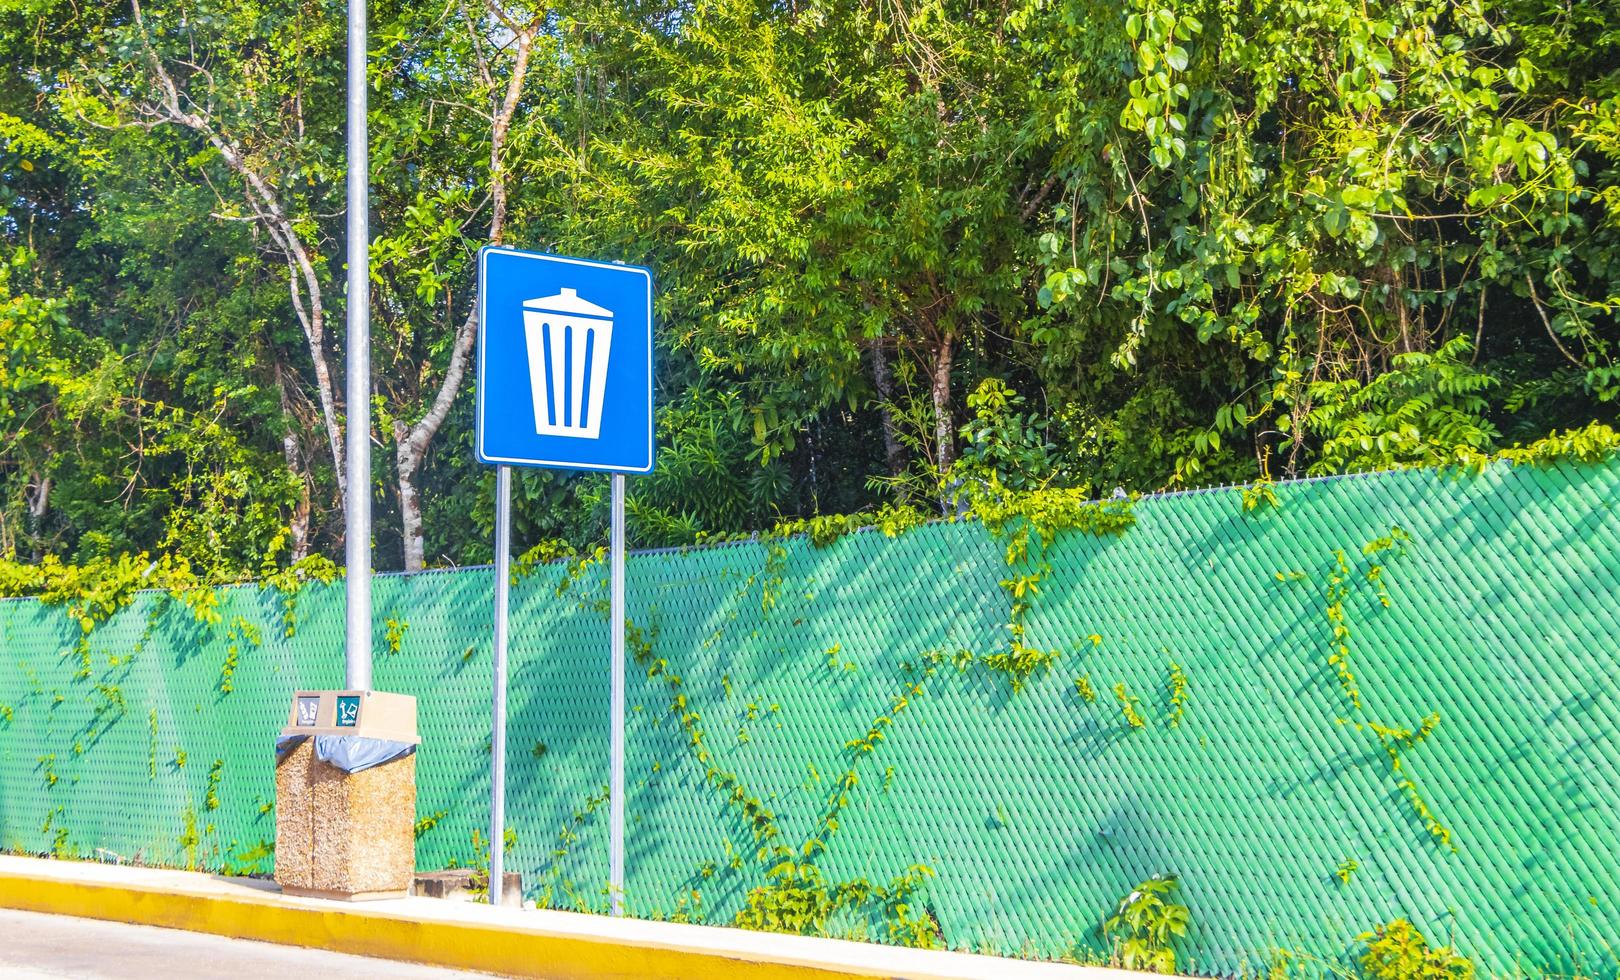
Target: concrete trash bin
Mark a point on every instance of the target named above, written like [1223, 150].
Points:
[567, 340]
[346, 795]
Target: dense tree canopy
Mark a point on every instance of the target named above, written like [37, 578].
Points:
[901, 247]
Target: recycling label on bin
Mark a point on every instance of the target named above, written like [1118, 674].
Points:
[348, 710]
[564, 362]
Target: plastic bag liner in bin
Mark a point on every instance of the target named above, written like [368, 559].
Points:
[351, 753]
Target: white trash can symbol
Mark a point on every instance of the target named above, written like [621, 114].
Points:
[568, 340]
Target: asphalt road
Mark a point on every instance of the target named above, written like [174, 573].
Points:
[36, 947]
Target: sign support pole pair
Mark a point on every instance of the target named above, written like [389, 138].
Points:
[564, 382]
[497, 742]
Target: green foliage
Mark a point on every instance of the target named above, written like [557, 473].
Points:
[190, 837]
[1148, 246]
[1339, 656]
[240, 629]
[797, 899]
[1342, 582]
[1588, 444]
[1002, 444]
[1044, 513]
[1428, 409]
[427, 823]
[1029, 523]
[251, 860]
[1264, 218]
[292, 579]
[546, 552]
[1147, 923]
[60, 847]
[1260, 494]
[553, 877]
[1397, 951]
[892, 519]
[1020, 662]
[1393, 741]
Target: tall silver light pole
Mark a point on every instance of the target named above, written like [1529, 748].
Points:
[357, 520]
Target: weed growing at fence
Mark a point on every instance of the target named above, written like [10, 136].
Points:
[1397, 951]
[1146, 924]
[567, 836]
[394, 634]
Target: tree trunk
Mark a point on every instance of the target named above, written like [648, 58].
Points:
[412, 441]
[39, 502]
[298, 527]
[944, 422]
[406, 463]
[894, 452]
[293, 452]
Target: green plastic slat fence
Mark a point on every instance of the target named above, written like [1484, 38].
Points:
[1036, 810]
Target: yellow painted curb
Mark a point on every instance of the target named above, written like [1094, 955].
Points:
[513, 951]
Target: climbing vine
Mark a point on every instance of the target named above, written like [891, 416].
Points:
[1342, 580]
[1130, 706]
[1028, 524]
[1178, 693]
[1396, 740]
[216, 773]
[292, 579]
[240, 630]
[553, 876]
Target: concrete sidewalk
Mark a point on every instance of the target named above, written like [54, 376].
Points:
[465, 936]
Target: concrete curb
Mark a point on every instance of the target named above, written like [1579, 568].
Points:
[475, 937]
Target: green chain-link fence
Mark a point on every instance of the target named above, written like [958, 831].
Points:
[842, 702]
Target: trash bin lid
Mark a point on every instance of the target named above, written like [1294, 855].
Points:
[568, 301]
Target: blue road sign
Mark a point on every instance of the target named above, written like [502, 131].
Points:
[564, 362]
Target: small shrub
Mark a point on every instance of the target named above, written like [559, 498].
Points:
[1147, 921]
[1397, 951]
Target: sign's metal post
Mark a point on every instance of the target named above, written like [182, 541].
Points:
[616, 765]
[357, 518]
[497, 736]
[564, 381]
